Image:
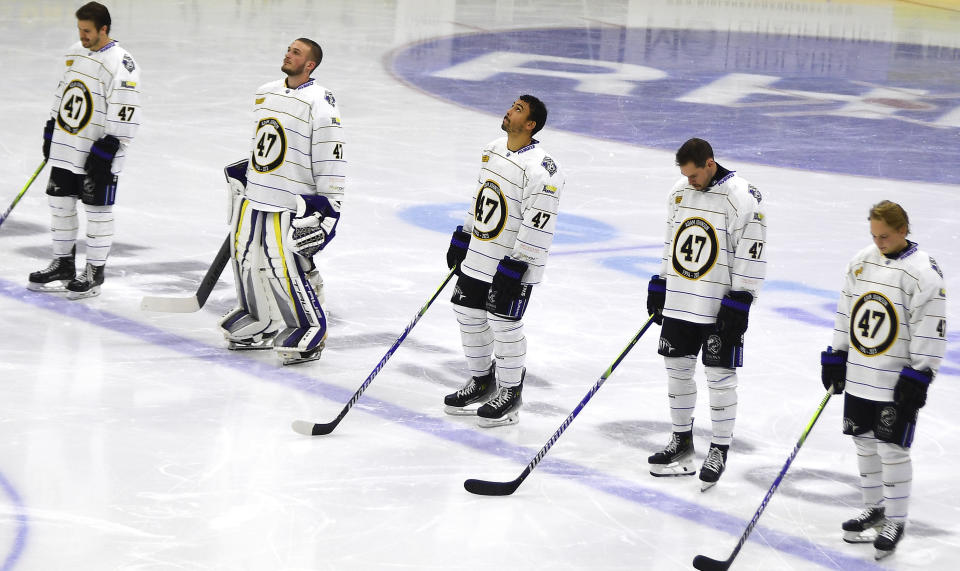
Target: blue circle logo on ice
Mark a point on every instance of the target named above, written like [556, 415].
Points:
[858, 107]
[571, 229]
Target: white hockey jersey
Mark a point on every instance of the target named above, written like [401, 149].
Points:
[297, 147]
[714, 244]
[891, 314]
[99, 95]
[514, 210]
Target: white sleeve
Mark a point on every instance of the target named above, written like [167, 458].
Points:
[841, 320]
[123, 101]
[668, 237]
[541, 203]
[327, 154]
[749, 233]
[928, 321]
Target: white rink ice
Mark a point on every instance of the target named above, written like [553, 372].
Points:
[133, 440]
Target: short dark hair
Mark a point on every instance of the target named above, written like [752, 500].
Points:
[538, 112]
[316, 53]
[96, 13]
[696, 151]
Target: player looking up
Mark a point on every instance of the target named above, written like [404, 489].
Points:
[95, 115]
[889, 337]
[286, 209]
[714, 263]
[501, 251]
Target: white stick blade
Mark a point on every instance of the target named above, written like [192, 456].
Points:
[304, 427]
[170, 304]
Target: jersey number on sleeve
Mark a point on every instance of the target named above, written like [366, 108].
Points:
[338, 151]
[126, 113]
[540, 220]
[756, 250]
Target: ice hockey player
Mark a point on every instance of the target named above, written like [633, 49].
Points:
[95, 115]
[714, 263]
[890, 335]
[286, 208]
[501, 251]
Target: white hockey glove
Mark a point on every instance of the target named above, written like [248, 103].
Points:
[308, 234]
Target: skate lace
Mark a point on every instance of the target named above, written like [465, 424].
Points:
[504, 395]
[673, 445]
[714, 460]
[890, 530]
[867, 514]
[469, 389]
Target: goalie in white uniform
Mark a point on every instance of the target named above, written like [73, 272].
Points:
[890, 335]
[94, 118]
[501, 251]
[714, 263]
[286, 210]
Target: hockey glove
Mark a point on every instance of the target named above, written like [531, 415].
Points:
[911, 389]
[504, 297]
[457, 251]
[656, 297]
[47, 138]
[833, 369]
[313, 226]
[732, 316]
[100, 160]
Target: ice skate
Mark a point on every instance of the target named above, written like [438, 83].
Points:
[87, 284]
[474, 393]
[676, 459]
[865, 527]
[297, 357]
[56, 276]
[503, 409]
[887, 540]
[713, 467]
[257, 342]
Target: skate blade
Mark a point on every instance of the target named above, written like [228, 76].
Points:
[505, 420]
[234, 346]
[47, 288]
[881, 554]
[296, 358]
[92, 292]
[469, 410]
[681, 468]
[865, 536]
[704, 486]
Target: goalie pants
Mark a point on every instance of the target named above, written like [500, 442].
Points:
[277, 290]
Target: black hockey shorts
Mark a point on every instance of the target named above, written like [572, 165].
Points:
[65, 183]
[889, 422]
[680, 338]
[472, 293]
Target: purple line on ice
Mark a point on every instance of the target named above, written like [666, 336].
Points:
[20, 516]
[618, 487]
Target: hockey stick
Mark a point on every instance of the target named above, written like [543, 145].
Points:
[308, 428]
[22, 192]
[704, 563]
[486, 488]
[195, 301]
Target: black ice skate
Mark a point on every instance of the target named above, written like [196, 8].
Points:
[888, 539]
[713, 467]
[87, 284]
[474, 393]
[61, 270]
[865, 527]
[676, 459]
[502, 409]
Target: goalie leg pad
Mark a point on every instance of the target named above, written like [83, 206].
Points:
[253, 319]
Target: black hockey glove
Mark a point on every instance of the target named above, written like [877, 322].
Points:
[100, 160]
[656, 297]
[833, 370]
[504, 297]
[732, 316]
[911, 389]
[457, 251]
[47, 138]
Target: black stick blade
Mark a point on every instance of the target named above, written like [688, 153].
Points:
[485, 488]
[307, 428]
[704, 563]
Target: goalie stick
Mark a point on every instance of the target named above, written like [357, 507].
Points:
[486, 488]
[195, 301]
[704, 563]
[22, 192]
[308, 428]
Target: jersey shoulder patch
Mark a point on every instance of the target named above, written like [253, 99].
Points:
[128, 63]
[329, 98]
[936, 268]
[755, 192]
[549, 165]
